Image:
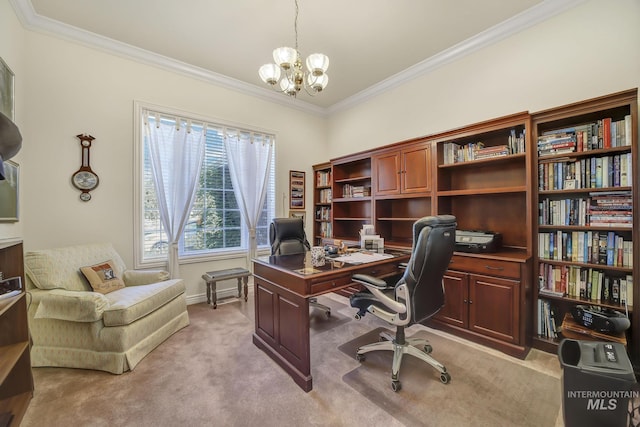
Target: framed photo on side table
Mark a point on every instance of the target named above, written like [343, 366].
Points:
[298, 214]
[296, 190]
[6, 90]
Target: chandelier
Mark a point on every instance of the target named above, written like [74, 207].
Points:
[288, 73]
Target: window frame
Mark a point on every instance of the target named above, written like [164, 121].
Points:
[138, 192]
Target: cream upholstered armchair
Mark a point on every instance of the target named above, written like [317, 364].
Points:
[88, 311]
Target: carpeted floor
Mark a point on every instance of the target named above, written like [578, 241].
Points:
[210, 374]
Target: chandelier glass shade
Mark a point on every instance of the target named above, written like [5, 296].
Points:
[287, 74]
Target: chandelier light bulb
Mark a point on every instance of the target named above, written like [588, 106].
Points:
[285, 57]
[317, 83]
[269, 73]
[288, 87]
[317, 63]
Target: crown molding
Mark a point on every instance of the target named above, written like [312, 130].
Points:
[35, 22]
[539, 13]
[501, 31]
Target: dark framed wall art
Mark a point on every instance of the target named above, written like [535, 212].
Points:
[6, 90]
[296, 190]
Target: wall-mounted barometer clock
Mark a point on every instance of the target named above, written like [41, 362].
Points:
[85, 179]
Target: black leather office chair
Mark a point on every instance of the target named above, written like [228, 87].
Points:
[287, 236]
[412, 297]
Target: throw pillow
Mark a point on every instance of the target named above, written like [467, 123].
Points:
[102, 277]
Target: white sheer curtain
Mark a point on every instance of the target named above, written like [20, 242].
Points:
[249, 157]
[177, 150]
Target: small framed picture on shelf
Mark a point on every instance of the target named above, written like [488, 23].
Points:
[296, 190]
[298, 214]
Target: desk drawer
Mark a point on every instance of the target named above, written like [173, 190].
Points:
[328, 285]
[485, 266]
[380, 270]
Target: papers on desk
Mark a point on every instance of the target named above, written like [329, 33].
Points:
[362, 257]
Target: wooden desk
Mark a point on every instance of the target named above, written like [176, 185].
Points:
[282, 292]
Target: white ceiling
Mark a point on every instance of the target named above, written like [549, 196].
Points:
[370, 43]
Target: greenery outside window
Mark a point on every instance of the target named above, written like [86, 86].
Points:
[215, 225]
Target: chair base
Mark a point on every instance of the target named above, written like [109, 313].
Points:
[416, 347]
[313, 302]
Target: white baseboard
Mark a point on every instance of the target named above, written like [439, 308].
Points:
[221, 293]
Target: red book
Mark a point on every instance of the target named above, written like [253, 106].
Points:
[606, 133]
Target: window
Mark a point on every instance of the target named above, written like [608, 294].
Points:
[215, 224]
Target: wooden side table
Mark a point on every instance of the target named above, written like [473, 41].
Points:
[212, 277]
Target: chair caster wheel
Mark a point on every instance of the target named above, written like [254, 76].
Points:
[357, 316]
[445, 377]
[396, 386]
[428, 349]
[360, 357]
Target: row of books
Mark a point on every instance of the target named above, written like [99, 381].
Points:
[589, 284]
[611, 209]
[601, 134]
[326, 229]
[456, 153]
[323, 178]
[349, 190]
[547, 324]
[325, 195]
[323, 213]
[588, 247]
[592, 172]
[607, 209]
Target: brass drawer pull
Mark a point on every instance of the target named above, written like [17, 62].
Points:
[488, 267]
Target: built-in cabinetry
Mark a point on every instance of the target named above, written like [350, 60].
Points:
[510, 176]
[586, 194]
[322, 197]
[352, 203]
[401, 190]
[16, 381]
[483, 178]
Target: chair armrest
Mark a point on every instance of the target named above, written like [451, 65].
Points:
[73, 306]
[367, 281]
[376, 286]
[144, 277]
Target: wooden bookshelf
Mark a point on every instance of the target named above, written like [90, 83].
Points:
[487, 298]
[351, 209]
[16, 381]
[487, 175]
[562, 182]
[322, 198]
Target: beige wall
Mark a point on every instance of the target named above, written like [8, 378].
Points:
[68, 89]
[590, 50]
[11, 51]
[63, 89]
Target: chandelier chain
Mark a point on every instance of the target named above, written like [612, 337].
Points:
[295, 25]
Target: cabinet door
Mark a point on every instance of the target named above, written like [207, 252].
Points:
[456, 296]
[416, 172]
[387, 173]
[493, 307]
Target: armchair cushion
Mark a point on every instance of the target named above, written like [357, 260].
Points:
[58, 268]
[102, 277]
[73, 306]
[131, 303]
[144, 277]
